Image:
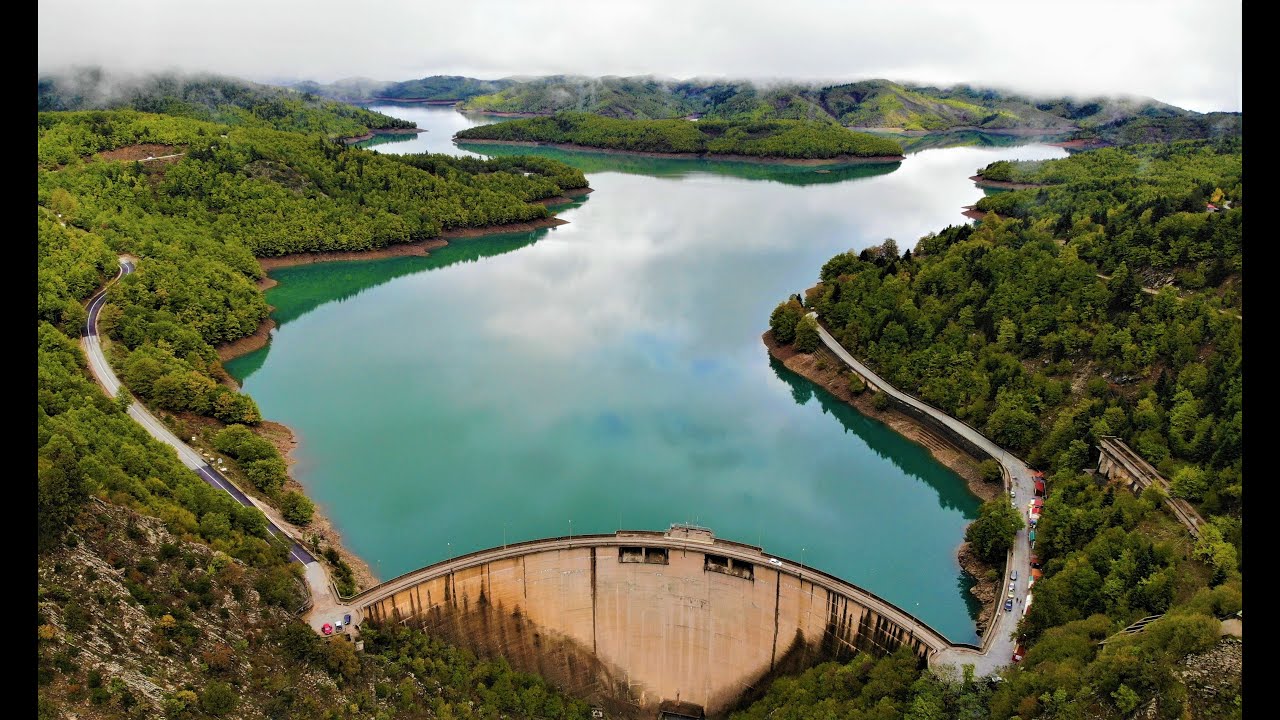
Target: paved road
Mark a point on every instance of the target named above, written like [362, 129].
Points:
[997, 645]
[106, 377]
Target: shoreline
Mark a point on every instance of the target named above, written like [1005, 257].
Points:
[381, 131]
[499, 113]
[833, 379]
[412, 101]
[283, 436]
[1005, 184]
[1080, 145]
[763, 159]
[1017, 132]
[259, 338]
[321, 526]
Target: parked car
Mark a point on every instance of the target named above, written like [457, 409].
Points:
[1018, 652]
[1011, 592]
[1013, 575]
[1008, 605]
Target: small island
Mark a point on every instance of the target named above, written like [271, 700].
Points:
[793, 141]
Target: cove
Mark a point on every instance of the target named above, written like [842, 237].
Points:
[609, 373]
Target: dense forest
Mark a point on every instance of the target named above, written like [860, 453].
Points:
[211, 98]
[867, 104]
[199, 223]
[1010, 327]
[794, 139]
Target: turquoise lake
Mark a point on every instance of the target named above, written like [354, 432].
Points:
[609, 373]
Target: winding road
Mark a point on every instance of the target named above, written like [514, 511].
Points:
[316, 575]
[998, 643]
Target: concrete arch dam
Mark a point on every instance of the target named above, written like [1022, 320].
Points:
[637, 619]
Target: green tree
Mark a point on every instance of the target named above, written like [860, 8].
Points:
[992, 533]
[296, 507]
[806, 339]
[267, 474]
[783, 321]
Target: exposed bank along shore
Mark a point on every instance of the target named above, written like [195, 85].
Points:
[838, 160]
[382, 131]
[827, 371]
[282, 436]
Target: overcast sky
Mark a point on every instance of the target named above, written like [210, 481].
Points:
[1184, 52]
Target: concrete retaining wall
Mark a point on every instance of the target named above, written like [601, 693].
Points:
[631, 634]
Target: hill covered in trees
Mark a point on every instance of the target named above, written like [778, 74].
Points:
[879, 104]
[432, 88]
[867, 103]
[1010, 327]
[793, 139]
[212, 98]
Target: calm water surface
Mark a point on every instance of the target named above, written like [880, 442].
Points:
[609, 373]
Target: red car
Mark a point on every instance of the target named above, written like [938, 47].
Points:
[1018, 652]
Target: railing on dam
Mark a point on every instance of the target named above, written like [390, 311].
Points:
[648, 538]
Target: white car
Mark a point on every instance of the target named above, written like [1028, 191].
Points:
[1013, 575]
[775, 561]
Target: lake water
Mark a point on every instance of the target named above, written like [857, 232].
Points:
[609, 374]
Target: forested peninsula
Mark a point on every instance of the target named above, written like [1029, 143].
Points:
[774, 139]
[1041, 328]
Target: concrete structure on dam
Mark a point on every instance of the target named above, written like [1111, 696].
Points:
[637, 619]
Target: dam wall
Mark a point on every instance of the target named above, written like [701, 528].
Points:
[633, 619]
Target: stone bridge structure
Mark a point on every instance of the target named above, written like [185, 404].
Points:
[636, 618]
[1119, 463]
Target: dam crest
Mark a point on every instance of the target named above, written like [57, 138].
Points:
[636, 621]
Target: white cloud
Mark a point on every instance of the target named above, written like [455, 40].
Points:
[1180, 51]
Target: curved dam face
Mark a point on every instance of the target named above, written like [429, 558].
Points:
[638, 621]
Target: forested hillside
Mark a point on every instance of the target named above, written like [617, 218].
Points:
[159, 594]
[199, 223]
[135, 620]
[777, 138]
[212, 98]
[867, 103]
[1009, 327]
[435, 87]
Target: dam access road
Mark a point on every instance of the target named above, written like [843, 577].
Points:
[999, 641]
[318, 582]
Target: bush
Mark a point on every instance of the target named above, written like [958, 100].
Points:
[856, 385]
[297, 508]
[880, 401]
[990, 470]
[218, 699]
